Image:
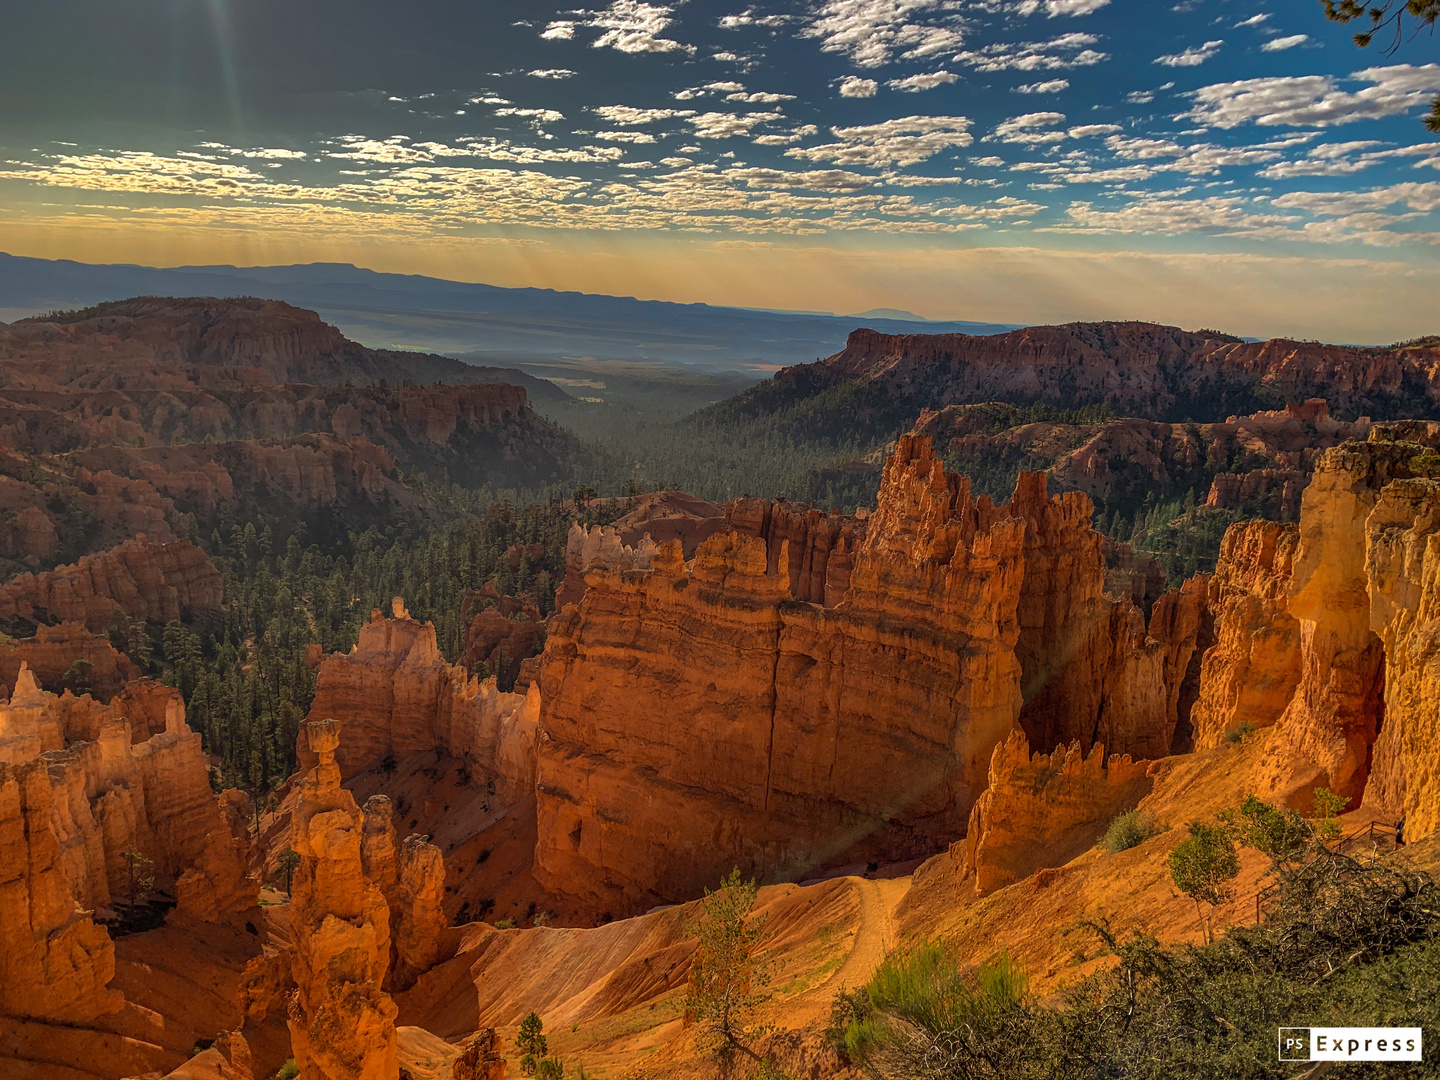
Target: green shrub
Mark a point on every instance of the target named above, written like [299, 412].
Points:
[505, 924]
[1344, 942]
[1130, 829]
[288, 1071]
[1239, 732]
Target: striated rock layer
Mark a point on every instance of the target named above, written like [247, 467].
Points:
[140, 579]
[706, 715]
[1045, 809]
[398, 696]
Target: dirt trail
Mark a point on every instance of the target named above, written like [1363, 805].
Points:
[875, 935]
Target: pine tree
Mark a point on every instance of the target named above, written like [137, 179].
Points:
[726, 974]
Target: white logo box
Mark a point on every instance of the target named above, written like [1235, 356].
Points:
[1351, 1044]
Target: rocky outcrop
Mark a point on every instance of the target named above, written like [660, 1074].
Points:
[130, 776]
[55, 963]
[227, 1058]
[54, 649]
[812, 732]
[1402, 562]
[1334, 716]
[1255, 464]
[1250, 674]
[342, 1023]
[598, 546]
[480, 1058]
[411, 875]
[139, 579]
[1140, 368]
[1045, 809]
[170, 341]
[500, 632]
[398, 696]
[821, 546]
[857, 726]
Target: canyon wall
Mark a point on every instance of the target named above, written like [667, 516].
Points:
[1141, 368]
[397, 695]
[1045, 809]
[1250, 675]
[841, 705]
[140, 579]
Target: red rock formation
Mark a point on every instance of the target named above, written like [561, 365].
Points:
[500, 632]
[227, 1058]
[55, 964]
[128, 776]
[1401, 564]
[1044, 810]
[600, 546]
[1250, 674]
[1331, 722]
[1127, 459]
[821, 546]
[480, 1059]
[342, 1023]
[170, 342]
[806, 739]
[139, 580]
[398, 696]
[1136, 366]
[53, 649]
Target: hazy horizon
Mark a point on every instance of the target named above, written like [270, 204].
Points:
[1243, 167]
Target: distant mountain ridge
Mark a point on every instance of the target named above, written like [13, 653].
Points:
[877, 385]
[435, 315]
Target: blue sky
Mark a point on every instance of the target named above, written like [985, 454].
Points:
[1209, 160]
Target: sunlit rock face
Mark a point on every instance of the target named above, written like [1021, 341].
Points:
[743, 709]
[1249, 676]
[1044, 809]
[397, 695]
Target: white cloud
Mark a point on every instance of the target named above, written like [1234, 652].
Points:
[628, 115]
[1051, 86]
[625, 136]
[1421, 198]
[926, 81]
[790, 139]
[1191, 57]
[1315, 100]
[872, 33]
[1083, 131]
[535, 116]
[630, 26]
[1166, 216]
[811, 179]
[1026, 128]
[1280, 44]
[1140, 97]
[723, 125]
[749, 18]
[854, 86]
[758, 98]
[906, 141]
[1063, 52]
[1060, 7]
[552, 73]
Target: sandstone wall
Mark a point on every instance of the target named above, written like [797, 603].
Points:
[139, 579]
[1251, 673]
[1045, 809]
[396, 696]
[808, 732]
[123, 778]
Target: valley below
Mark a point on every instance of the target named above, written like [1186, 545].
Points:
[958, 705]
